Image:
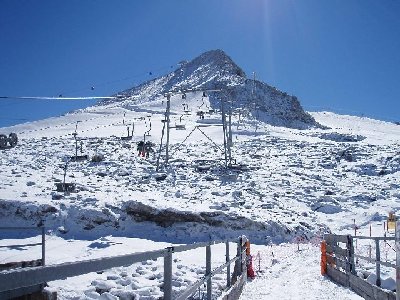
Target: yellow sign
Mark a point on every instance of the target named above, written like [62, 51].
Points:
[391, 221]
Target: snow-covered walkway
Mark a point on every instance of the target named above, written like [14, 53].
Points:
[291, 274]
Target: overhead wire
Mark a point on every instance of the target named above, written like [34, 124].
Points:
[106, 83]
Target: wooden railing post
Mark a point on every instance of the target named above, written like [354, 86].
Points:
[238, 264]
[378, 265]
[43, 246]
[208, 271]
[168, 274]
[228, 268]
[242, 258]
[350, 249]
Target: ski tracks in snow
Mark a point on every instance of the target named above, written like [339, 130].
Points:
[291, 274]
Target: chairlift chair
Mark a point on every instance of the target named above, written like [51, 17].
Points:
[180, 127]
[186, 108]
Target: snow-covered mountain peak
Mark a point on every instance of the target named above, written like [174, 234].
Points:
[214, 64]
[216, 70]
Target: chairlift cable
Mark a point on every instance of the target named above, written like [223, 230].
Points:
[102, 84]
[159, 153]
[180, 144]
[209, 139]
[57, 98]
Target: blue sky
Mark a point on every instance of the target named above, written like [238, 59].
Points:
[338, 55]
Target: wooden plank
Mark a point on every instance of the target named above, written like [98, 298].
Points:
[380, 294]
[338, 251]
[21, 264]
[330, 239]
[20, 292]
[359, 284]
[338, 263]
[338, 276]
[21, 245]
[387, 264]
[330, 260]
[383, 263]
[379, 238]
[369, 291]
[234, 292]
[350, 248]
[342, 264]
[17, 278]
[333, 239]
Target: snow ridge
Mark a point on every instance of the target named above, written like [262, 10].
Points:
[216, 70]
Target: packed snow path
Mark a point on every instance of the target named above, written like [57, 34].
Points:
[291, 274]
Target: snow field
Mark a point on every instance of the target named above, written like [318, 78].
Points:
[294, 183]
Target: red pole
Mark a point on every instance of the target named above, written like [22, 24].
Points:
[323, 258]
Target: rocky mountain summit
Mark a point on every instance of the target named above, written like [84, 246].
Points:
[216, 70]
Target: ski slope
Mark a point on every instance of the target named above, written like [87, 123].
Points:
[291, 273]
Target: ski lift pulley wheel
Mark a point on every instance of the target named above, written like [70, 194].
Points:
[13, 139]
[3, 141]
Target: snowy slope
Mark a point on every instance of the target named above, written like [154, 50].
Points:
[318, 175]
[295, 180]
[296, 183]
[216, 70]
[289, 273]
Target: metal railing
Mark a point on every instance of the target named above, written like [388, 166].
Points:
[12, 280]
[42, 243]
[377, 259]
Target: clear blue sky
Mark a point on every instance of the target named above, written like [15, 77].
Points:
[342, 55]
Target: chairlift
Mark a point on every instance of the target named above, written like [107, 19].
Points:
[200, 113]
[202, 102]
[148, 132]
[180, 126]
[186, 108]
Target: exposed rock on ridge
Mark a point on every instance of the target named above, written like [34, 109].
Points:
[216, 70]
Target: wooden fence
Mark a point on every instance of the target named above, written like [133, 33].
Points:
[341, 266]
[31, 263]
[23, 281]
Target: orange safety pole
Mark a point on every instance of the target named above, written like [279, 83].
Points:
[323, 258]
[247, 247]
